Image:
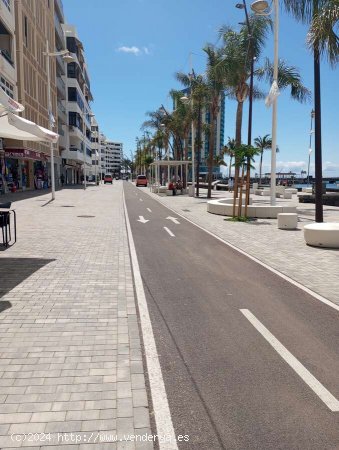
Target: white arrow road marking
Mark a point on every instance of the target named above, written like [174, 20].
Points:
[330, 401]
[169, 232]
[142, 219]
[173, 219]
[148, 209]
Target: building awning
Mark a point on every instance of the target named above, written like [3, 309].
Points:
[14, 127]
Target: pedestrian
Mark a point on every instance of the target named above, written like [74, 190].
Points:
[62, 179]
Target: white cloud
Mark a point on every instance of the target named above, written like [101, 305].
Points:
[134, 50]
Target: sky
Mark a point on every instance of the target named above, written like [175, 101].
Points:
[134, 48]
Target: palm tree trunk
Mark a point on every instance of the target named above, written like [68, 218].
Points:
[238, 127]
[230, 168]
[210, 156]
[198, 148]
[260, 167]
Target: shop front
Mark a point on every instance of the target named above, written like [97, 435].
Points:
[23, 169]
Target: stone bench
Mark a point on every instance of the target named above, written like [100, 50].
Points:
[287, 221]
[224, 207]
[322, 234]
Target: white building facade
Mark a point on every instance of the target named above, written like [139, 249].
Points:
[114, 156]
[78, 152]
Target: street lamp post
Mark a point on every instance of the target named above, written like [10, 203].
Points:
[250, 99]
[309, 161]
[67, 58]
[310, 147]
[261, 7]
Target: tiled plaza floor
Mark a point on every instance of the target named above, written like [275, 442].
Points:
[71, 371]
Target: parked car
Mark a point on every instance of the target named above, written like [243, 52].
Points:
[108, 179]
[141, 180]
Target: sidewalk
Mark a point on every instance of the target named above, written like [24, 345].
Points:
[283, 250]
[71, 361]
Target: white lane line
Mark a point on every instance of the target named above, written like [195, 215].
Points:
[330, 401]
[169, 231]
[162, 412]
[149, 209]
[173, 219]
[141, 199]
[258, 261]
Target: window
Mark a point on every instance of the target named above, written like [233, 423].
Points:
[72, 94]
[7, 4]
[71, 70]
[7, 87]
[25, 31]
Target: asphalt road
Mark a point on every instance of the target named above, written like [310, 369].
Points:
[227, 386]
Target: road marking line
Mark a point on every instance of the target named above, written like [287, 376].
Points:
[169, 231]
[330, 401]
[162, 412]
[149, 209]
[141, 199]
[253, 258]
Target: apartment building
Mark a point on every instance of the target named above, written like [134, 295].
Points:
[8, 76]
[25, 26]
[78, 152]
[114, 155]
[96, 149]
[61, 79]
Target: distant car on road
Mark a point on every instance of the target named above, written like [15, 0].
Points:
[117, 177]
[108, 179]
[141, 180]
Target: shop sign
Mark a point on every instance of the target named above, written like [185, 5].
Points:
[22, 153]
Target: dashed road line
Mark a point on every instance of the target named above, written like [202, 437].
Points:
[169, 232]
[330, 401]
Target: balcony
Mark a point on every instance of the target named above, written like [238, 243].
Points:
[58, 31]
[59, 9]
[61, 65]
[62, 116]
[61, 88]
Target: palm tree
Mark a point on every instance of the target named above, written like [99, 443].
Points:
[198, 93]
[216, 83]
[236, 66]
[229, 150]
[262, 143]
[323, 17]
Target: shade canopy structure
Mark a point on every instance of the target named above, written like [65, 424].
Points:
[155, 167]
[15, 127]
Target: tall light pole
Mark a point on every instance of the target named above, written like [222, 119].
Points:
[67, 58]
[310, 147]
[261, 7]
[250, 99]
[186, 99]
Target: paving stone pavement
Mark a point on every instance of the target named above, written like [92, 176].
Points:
[70, 353]
[283, 250]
